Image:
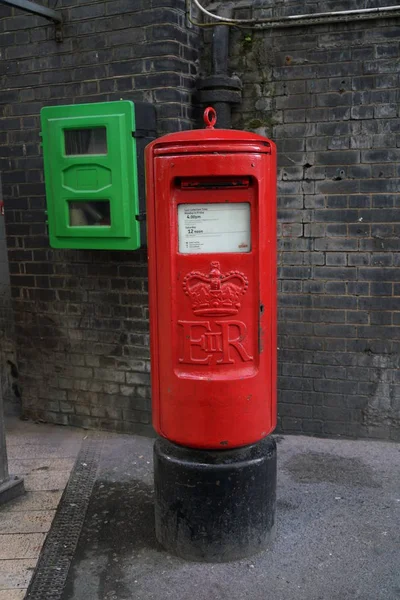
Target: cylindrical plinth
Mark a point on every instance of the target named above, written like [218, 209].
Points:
[215, 506]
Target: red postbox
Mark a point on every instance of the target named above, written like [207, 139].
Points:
[211, 214]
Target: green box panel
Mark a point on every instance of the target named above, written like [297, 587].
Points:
[90, 165]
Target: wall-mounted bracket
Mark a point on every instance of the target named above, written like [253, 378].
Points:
[42, 11]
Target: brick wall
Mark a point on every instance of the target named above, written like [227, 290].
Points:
[328, 95]
[81, 317]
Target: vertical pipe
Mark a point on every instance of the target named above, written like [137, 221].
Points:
[219, 59]
[10, 487]
[224, 115]
[3, 451]
[4, 475]
[220, 44]
[219, 89]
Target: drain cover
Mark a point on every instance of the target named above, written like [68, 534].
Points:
[55, 559]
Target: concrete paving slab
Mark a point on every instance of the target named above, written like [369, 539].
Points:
[46, 480]
[16, 574]
[38, 500]
[28, 451]
[337, 532]
[24, 466]
[20, 546]
[38, 521]
[12, 594]
[46, 432]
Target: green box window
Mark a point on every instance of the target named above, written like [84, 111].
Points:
[86, 141]
[94, 175]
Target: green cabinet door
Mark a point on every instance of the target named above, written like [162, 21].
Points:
[90, 163]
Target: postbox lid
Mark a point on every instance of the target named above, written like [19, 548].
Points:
[212, 140]
[215, 140]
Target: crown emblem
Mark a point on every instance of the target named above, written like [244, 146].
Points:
[215, 294]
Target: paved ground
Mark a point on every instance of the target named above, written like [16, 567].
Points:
[337, 537]
[44, 456]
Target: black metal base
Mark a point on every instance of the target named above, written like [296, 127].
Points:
[215, 506]
[11, 488]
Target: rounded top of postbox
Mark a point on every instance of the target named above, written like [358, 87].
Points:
[211, 140]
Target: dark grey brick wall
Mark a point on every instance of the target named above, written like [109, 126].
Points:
[81, 317]
[329, 96]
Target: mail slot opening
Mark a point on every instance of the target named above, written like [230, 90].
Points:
[84, 214]
[85, 141]
[213, 183]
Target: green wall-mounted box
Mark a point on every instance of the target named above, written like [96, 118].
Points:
[94, 174]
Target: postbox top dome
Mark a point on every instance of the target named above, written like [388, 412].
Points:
[212, 140]
[213, 134]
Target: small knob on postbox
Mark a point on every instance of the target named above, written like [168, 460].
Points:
[210, 117]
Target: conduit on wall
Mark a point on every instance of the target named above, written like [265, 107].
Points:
[294, 20]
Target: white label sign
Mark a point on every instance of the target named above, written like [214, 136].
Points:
[209, 228]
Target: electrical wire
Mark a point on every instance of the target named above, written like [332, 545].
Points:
[204, 25]
[288, 20]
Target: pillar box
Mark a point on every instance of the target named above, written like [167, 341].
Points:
[211, 214]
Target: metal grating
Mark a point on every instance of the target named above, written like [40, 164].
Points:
[55, 559]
